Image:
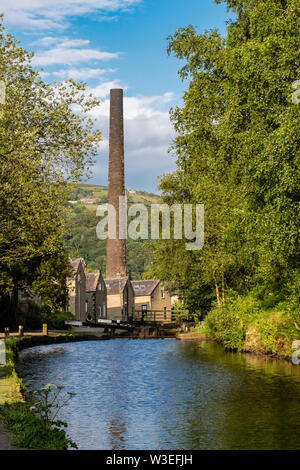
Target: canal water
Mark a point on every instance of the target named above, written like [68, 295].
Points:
[168, 394]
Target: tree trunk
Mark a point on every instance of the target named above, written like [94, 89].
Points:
[223, 288]
[217, 289]
[13, 305]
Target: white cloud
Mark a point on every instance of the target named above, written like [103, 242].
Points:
[45, 41]
[45, 14]
[148, 131]
[102, 91]
[80, 73]
[71, 51]
[147, 106]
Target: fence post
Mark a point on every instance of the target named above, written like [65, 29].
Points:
[45, 329]
[6, 332]
[21, 331]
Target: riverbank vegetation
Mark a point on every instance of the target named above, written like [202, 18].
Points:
[247, 324]
[32, 418]
[237, 150]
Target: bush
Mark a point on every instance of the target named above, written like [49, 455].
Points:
[35, 316]
[274, 323]
[56, 320]
[276, 333]
[33, 432]
[34, 423]
[229, 324]
[31, 319]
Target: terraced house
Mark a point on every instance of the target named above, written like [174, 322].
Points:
[87, 293]
[76, 284]
[96, 297]
[120, 298]
[152, 295]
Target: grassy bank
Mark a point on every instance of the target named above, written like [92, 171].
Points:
[29, 426]
[254, 325]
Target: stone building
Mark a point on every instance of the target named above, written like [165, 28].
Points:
[77, 289]
[120, 298]
[153, 295]
[96, 297]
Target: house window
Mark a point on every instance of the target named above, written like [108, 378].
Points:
[142, 287]
[144, 308]
[162, 292]
[86, 306]
[136, 287]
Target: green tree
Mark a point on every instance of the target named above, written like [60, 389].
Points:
[47, 142]
[237, 151]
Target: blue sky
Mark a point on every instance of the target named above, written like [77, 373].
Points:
[117, 43]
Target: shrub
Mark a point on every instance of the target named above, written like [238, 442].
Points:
[31, 431]
[36, 315]
[56, 320]
[229, 324]
[34, 422]
[276, 333]
[274, 320]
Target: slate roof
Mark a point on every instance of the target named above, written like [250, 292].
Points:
[145, 287]
[74, 262]
[92, 281]
[116, 285]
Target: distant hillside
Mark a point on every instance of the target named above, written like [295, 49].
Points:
[92, 195]
[81, 222]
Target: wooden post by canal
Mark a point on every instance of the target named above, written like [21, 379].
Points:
[21, 331]
[45, 329]
[6, 332]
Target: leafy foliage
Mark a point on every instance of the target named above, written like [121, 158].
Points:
[47, 142]
[237, 150]
[34, 423]
[35, 316]
[270, 325]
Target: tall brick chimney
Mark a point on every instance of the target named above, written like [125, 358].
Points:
[116, 249]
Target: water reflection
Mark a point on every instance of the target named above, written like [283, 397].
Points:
[166, 394]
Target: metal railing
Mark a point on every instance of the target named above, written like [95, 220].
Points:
[160, 316]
